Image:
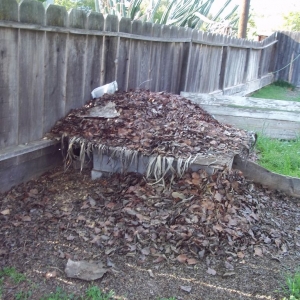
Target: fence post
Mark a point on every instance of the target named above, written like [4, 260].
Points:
[225, 55]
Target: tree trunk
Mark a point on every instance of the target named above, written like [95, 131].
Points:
[244, 14]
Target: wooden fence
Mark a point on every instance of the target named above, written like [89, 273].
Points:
[52, 59]
[288, 57]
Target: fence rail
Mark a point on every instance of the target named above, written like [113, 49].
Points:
[52, 59]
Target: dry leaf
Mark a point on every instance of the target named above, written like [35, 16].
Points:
[192, 261]
[159, 259]
[228, 266]
[150, 273]
[70, 237]
[211, 271]
[26, 219]
[81, 218]
[92, 201]
[218, 196]
[178, 195]
[5, 212]
[218, 227]
[258, 251]
[34, 191]
[182, 258]
[145, 251]
[186, 288]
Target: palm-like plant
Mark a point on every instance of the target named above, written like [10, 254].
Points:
[185, 13]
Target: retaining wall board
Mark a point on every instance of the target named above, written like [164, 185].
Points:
[21, 163]
[258, 174]
[274, 118]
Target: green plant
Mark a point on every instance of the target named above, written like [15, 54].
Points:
[279, 90]
[284, 84]
[23, 295]
[94, 293]
[292, 286]
[172, 298]
[59, 295]
[12, 274]
[279, 156]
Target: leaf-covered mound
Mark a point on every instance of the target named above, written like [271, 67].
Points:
[153, 124]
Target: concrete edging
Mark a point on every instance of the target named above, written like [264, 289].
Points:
[274, 181]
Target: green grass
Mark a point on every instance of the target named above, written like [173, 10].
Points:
[279, 90]
[12, 274]
[292, 288]
[279, 156]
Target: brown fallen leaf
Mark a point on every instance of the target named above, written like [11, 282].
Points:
[3, 252]
[34, 191]
[5, 212]
[258, 251]
[228, 265]
[186, 288]
[218, 196]
[159, 259]
[26, 219]
[182, 258]
[192, 261]
[81, 218]
[145, 251]
[211, 271]
[70, 237]
[178, 195]
[150, 273]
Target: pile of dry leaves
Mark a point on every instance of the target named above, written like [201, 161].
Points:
[151, 123]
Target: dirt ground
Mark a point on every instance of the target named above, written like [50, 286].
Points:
[150, 252]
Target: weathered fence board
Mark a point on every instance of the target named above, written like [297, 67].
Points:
[123, 55]
[110, 53]
[31, 86]
[287, 57]
[55, 78]
[9, 102]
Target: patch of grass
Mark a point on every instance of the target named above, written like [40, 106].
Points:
[23, 295]
[94, 293]
[12, 274]
[279, 156]
[284, 84]
[293, 286]
[59, 295]
[279, 90]
[172, 298]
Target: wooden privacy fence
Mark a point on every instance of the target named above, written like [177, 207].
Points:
[288, 57]
[52, 59]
